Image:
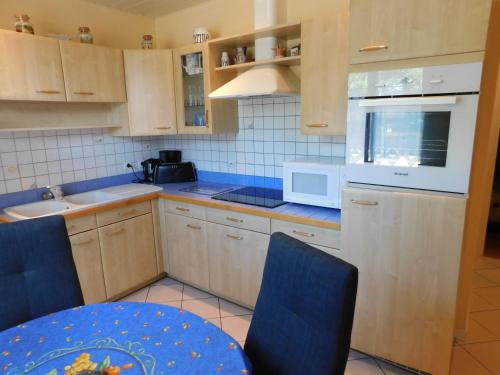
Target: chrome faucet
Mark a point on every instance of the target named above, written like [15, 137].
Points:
[54, 193]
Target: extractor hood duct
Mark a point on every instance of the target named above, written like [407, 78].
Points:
[263, 80]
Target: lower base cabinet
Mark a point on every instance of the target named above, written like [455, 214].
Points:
[128, 254]
[87, 257]
[187, 249]
[236, 259]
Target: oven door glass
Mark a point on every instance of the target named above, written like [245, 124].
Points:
[407, 139]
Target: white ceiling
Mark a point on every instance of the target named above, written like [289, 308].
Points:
[148, 8]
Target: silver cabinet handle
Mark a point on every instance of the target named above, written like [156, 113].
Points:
[193, 226]
[303, 234]
[362, 202]
[83, 242]
[234, 220]
[114, 233]
[163, 127]
[373, 48]
[88, 93]
[436, 81]
[181, 209]
[48, 92]
[317, 125]
[239, 238]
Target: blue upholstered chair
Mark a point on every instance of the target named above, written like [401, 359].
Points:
[303, 317]
[37, 271]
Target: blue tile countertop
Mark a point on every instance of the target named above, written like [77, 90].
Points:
[329, 217]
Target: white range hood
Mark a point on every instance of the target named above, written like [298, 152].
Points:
[263, 80]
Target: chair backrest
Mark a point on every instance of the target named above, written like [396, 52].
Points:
[37, 271]
[303, 317]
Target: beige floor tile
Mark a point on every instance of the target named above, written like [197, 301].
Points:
[487, 353]
[166, 281]
[353, 354]
[492, 274]
[489, 320]
[491, 294]
[463, 363]
[165, 293]
[480, 281]
[480, 304]
[139, 296]
[176, 304]
[236, 326]
[477, 333]
[365, 366]
[392, 370]
[206, 308]
[193, 293]
[215, 321]
[230, 309]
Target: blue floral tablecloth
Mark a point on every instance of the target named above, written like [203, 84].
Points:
[120, 338]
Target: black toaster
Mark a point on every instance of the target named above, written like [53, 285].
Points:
[174, 172]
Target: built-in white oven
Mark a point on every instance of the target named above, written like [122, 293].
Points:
[314, 181]
[413, 127]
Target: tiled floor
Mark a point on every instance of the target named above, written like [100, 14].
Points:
[235, 320]
[479, 352]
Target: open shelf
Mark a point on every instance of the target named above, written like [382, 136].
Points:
[286, 61]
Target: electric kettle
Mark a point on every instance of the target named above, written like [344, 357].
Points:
[148, 168]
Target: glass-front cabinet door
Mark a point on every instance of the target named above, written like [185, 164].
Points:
[191, 87]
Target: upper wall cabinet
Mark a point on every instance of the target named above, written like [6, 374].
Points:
[150, 91]
[196, 113]
[401, 29]
[325, 63]
[30, 68]
[93, 73]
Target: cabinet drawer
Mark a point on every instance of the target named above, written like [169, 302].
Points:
[307, 233]
[81, 224]
[123, 213]
[335, 252]
[186, 209]
[239, 220]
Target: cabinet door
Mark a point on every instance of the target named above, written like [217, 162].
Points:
[325, 62]
[87, 257]
[407, 248]
[236, 259]
[150, 92]
[93, 73]
[30, 68]
[128, 254]
[187, 249]
[401, 29]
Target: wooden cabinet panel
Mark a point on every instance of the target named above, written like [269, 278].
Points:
[324, 71]
[186, 209]
[401, 29]
[239, 220]
[123, 213]
[81, 224]
[87, 257]
[93, 73]
[407, 248]
[128, 254]
[187, 249]
[30, 68]
[237, 259]
[150, 92]
[308, 233]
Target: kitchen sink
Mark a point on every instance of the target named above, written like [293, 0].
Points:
[92, 197]
[38, 209]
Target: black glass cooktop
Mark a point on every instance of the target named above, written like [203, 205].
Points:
[255, 196]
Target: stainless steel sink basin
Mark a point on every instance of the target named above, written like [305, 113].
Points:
[38, 209]
[91, 197]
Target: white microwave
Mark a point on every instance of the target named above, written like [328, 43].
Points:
[314, 181]
[414, 127]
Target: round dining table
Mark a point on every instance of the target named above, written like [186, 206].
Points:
[125, 338]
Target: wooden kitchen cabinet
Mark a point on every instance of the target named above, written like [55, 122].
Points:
[324, 71]
[30, 68]
[150, 92]
[407, 248]
[93, 73]
[236, 259]
[196, 113]
[128, 254]
[87, 257]
[187, 249]
[402, 29]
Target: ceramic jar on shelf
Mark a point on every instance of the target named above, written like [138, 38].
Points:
[147, 42]
[23, 24]
[85, 35]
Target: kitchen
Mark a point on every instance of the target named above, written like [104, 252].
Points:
[288, 106]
